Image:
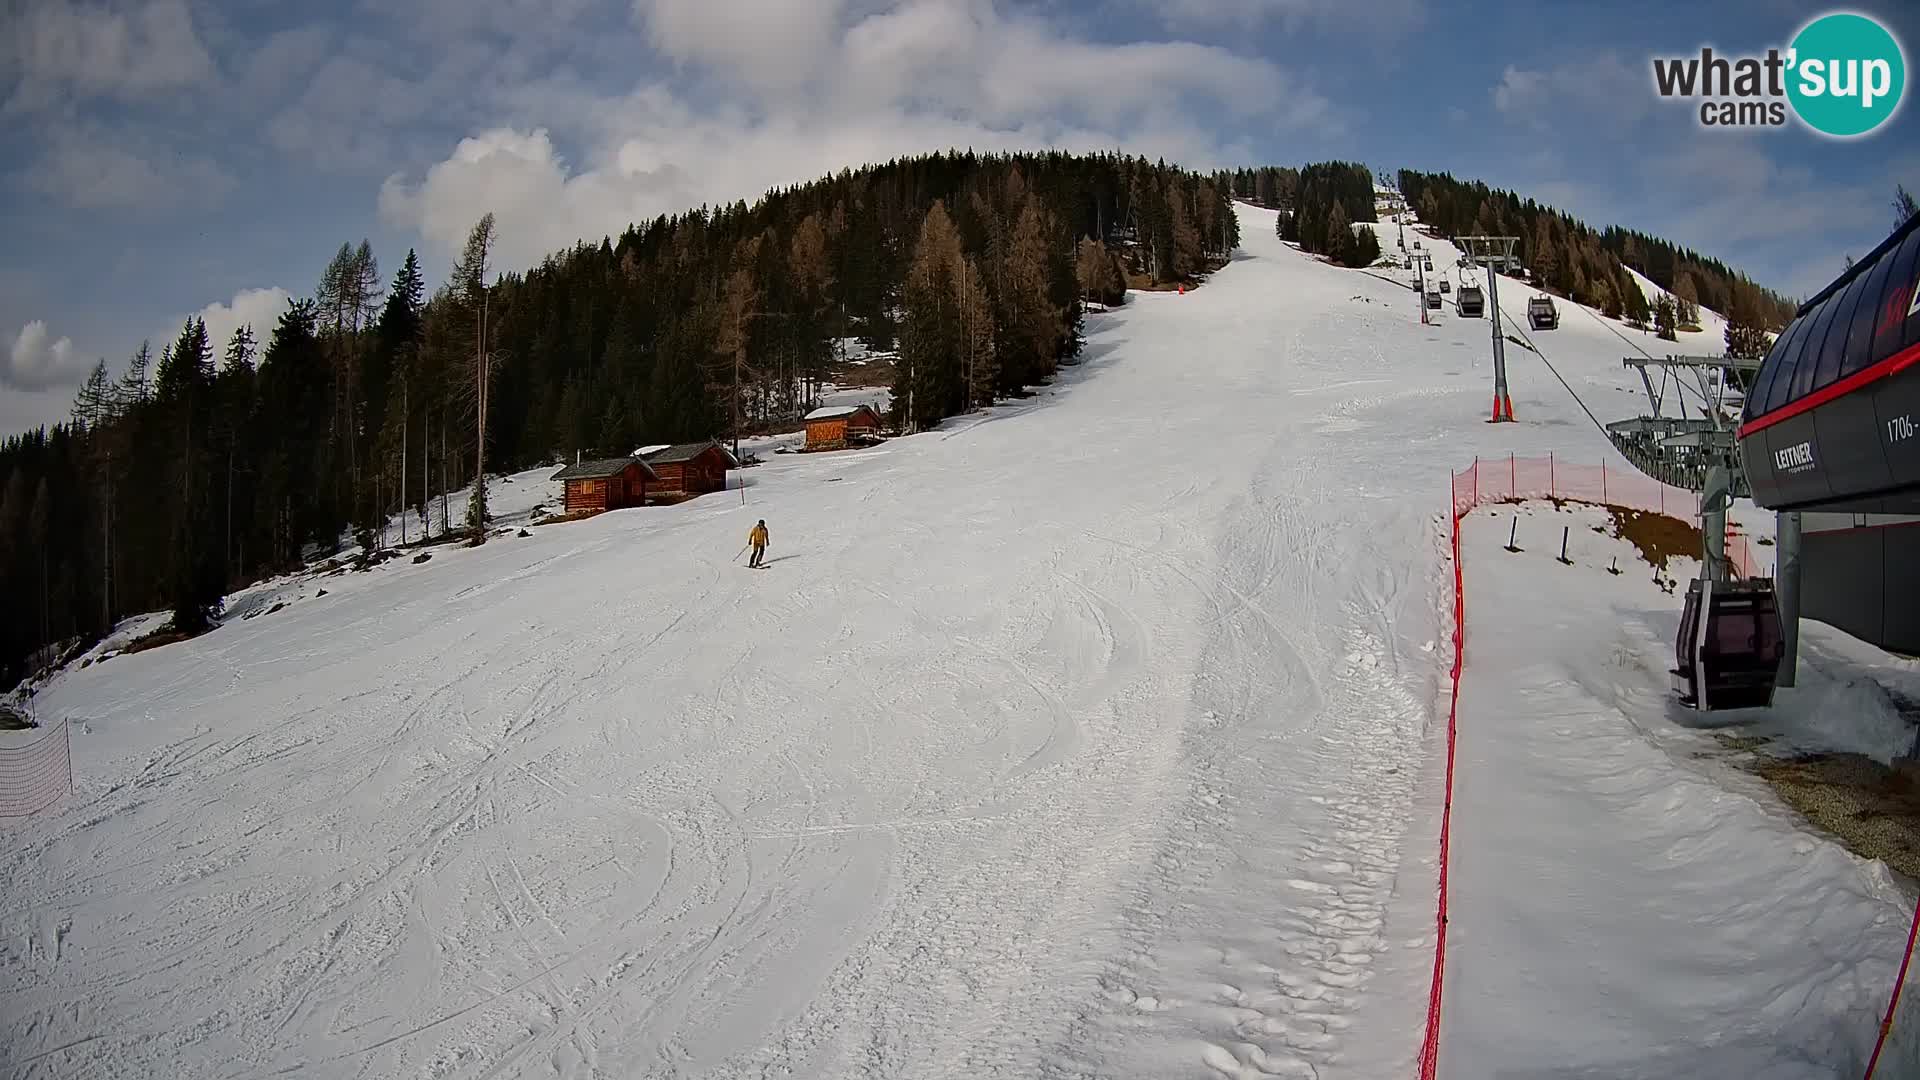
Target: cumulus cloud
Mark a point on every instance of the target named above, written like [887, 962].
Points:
[772, 44]
[1360, 16]
[53, 48]
[257, 308]
[905, 77]
[95, 172]
[1601, 89]
[36, 361]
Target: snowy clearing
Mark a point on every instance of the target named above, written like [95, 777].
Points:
[1092, 735]
[1626, 901]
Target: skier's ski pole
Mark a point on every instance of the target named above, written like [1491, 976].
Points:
[742, 551]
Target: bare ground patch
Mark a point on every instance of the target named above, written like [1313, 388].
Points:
[1872, 809]
[1656, 536]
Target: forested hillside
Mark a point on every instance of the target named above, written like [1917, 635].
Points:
[1319, 206]
[214, 463]
[1577, 261]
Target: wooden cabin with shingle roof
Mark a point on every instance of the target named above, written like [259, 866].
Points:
[832, 427]
[689, 469]
[606, 484]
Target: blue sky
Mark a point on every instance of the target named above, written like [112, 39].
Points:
[170, 157]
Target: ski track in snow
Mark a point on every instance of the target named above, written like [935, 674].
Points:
[1092, 737]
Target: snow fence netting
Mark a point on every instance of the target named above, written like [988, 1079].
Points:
[35, 773]
[1896, 1051]
[1492, 480]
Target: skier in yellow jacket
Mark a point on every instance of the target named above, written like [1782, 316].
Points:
[758, 538]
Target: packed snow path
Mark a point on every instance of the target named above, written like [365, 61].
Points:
[1626, 901]
[1089, 737]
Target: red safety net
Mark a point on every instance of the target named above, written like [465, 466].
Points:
[1430, 1045]
[1494, 480]
[1491, 480]
[34, 776]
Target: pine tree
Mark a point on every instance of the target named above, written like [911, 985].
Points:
[1185, 234]
[38, 536]
[1606, 297]
[1097, 276]
[1633, 299]
[1686, 302]
[133, 385]
[1545, 258]
[1665, 318]
[1034, 324]
[1339, 242]
[733, 376]
[1745, 338]
[470, 279]
[95, 404]
[183, 390]
[979, 359]
[1904, 205]
[928, 383]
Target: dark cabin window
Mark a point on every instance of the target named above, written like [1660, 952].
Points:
[1807, 357]
[1860, 338]
[1896, 329]
[1788, 360]
[1779, 360]
[1835, 347]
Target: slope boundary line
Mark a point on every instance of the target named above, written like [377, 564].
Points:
[1430, 1045]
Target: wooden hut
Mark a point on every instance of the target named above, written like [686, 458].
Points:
[830, 428]
[606, 484]
[689, 468]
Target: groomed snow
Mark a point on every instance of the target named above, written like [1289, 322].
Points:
[1037, 750]
[1626, 901]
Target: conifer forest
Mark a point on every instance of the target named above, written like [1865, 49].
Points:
[209, 464]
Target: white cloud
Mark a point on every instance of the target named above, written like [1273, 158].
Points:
[773, 44]
[258, 308]
[124, 50]
[1376, 17]
[279, 62]
[1599, 89]
[350, 114]
[38, 362]
[914, 76]
[95, 172]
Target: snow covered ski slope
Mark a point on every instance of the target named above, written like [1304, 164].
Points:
[1091, 736]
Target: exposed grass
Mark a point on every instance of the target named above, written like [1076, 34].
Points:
[166, 635]
[1656, 536]
[1872, 809]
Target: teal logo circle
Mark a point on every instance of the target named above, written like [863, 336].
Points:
[1847, 74]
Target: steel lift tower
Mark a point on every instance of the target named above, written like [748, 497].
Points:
[1495, 253]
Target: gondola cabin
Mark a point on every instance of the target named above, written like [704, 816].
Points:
[834, 427]
[689, 469]
[1433, 299]
[1471, 303]
[1542, 314]
[1728, 650]
[604, 484]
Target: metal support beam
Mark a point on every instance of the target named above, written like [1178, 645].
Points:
[1713, 524]
[1489, 250]
[1787, 588]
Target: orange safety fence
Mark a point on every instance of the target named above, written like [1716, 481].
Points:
[34, 776]
[1492, 480]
